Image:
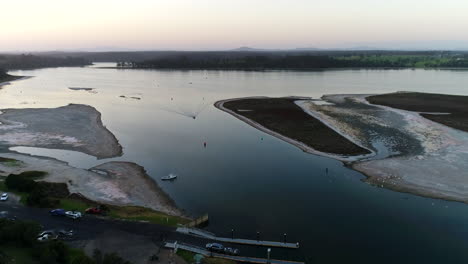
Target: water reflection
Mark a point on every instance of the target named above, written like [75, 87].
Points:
[248, 180]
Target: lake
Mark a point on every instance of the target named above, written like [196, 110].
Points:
[247, 180]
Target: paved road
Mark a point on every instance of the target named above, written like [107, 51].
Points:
[90, 227]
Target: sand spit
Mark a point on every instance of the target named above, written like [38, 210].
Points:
[138, 186]
[71, 127]
[124, 183]
[300, 145]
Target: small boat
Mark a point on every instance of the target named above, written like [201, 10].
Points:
[168, 177]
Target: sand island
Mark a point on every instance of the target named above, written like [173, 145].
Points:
[408, 142]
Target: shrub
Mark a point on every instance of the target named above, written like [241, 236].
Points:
[40, 198]
[20, 183]
[20, 233]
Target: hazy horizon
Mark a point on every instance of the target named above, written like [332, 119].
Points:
[222, 25]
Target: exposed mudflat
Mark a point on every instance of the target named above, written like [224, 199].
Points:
[118, 183]
[71, 127]
[413, 154]
[136, 184]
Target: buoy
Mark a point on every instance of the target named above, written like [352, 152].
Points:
[204, 144]
[172, 98]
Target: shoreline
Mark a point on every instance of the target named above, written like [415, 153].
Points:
[428, 168]
[14, 79]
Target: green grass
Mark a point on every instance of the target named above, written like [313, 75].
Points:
[218, 261]
[74, 253]
[72, 204]
[134, 213]
[186, 255]
[145, 214]
[10, 162]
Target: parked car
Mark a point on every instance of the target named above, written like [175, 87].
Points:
[49, 233]
[43, 238]
[231, 251]
[63, 234]
[57, 212]
[4, 197]
[73, 214]
[216, 247]
[94, 210]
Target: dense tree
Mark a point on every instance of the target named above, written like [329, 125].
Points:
[302, 62]
[28, 61]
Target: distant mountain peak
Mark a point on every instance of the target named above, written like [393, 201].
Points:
[245, 48]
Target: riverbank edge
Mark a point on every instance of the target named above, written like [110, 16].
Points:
[79, 197]
[14, 78]
[302, 146]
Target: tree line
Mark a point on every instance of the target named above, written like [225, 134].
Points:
[29, 61]
[300, 62]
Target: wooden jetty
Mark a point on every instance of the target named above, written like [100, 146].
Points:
[206, 253]
[208, 235]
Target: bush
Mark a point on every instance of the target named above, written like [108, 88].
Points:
[82, 259]
[20, 183]
[33, 174]
[39, 197]
[19, 233]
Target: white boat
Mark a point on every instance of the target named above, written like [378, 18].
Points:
[168, 177]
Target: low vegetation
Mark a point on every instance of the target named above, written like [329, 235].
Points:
[283, 116]
[36, 193]
[10, 162]
[4, 77]
[186, 255]
[455, 107]
[189, 258]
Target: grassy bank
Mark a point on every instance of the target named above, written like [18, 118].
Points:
[189, 258]
[57, 195]
[455, 106]
[284, 117]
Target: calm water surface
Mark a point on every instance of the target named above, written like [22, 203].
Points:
[250, 181]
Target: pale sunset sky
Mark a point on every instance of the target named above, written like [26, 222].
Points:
[224, 24]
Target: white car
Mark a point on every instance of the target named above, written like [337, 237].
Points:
[73, 214]
[44, 237]
[4, 197]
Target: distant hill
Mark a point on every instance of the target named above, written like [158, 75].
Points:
[248, 49]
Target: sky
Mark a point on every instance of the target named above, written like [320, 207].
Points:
[33, 25]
